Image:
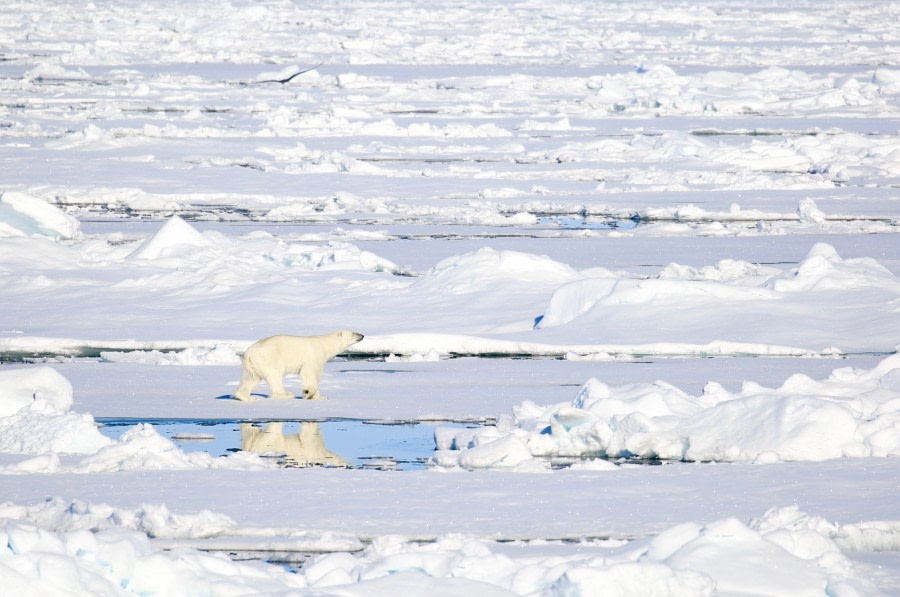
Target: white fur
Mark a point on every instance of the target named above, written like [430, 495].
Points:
[272, 358]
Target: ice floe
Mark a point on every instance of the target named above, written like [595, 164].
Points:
[852, 413]
[36, 419]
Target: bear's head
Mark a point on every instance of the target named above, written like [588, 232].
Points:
[347, 337]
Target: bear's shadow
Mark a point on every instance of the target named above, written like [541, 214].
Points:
[231, 397]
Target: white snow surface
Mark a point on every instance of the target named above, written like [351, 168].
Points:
[653, 231]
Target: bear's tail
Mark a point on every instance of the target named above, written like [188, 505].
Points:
[249, 377]
[249, 364]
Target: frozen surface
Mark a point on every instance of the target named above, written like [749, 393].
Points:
[447, 389]
[652, 230]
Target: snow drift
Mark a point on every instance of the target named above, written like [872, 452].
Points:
[852, 413]
[728, 281]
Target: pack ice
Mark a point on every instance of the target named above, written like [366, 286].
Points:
[608, 193]
[852, 413]
[101, 550]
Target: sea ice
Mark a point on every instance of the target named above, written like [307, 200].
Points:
[35, 419]
[784, 552]
[642, 187]
[852, 413]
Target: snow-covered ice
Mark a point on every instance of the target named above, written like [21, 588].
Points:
[722, 557]
[600, 235]
[852, 413]
[24, 215]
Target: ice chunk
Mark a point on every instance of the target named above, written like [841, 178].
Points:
[824, 269]
[24, 215]
[20, 388]
[809, 213]
[888, 79]
[506, 452]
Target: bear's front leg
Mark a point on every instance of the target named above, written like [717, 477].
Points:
[310, 385]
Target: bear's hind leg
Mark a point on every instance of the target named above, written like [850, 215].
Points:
[248, 382]
[276, 387]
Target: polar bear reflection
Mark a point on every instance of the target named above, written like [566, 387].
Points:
[303, 449]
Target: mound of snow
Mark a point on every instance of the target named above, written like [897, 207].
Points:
[594, 294]
[35, 417]
[24, 215]
[824, 269]
[175, 238]
[20, 388]
[809, 213]
[331, 257]
[853, 413]
[729, 282]
[467, 273]
[888, 80]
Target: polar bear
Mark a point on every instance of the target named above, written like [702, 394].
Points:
[273, 357]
